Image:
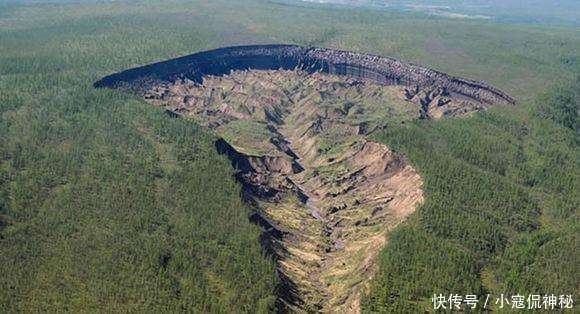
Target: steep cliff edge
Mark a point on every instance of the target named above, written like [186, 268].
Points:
[289, 57]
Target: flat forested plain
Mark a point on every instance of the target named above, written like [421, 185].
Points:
[108, 204]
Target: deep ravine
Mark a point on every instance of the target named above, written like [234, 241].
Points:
[327, 196]
[294, 121]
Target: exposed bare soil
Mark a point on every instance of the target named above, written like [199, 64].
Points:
[326, 196]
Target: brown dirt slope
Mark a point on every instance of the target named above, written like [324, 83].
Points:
[326, 196]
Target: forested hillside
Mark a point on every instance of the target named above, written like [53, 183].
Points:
[107, 204]
[548, 12]
[500, 216]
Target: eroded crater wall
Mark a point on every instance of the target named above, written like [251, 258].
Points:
[295, 128]
[273, 57]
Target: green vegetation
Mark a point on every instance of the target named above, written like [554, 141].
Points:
[565, 12]
[250, 137]
[107, 204]
[561, 106]
[501, 210]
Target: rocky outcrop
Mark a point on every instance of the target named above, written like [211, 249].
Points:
[272, 57]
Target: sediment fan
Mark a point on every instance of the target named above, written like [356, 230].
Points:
[273, 57]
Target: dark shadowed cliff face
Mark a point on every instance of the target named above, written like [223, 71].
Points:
[273, 57]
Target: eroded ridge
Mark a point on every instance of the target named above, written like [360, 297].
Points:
[327, 196]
